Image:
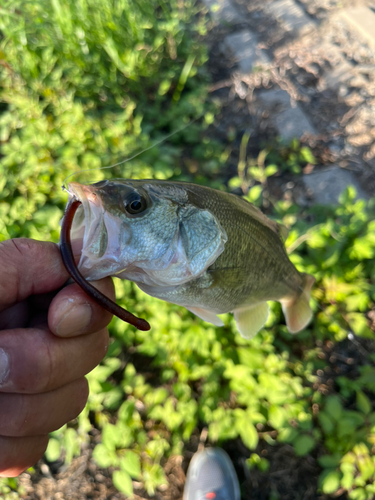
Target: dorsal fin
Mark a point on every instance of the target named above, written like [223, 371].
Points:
[257, 214]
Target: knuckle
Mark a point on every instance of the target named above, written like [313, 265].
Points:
[14, 415]
[32, 360]
[39, 377]
[23, 421]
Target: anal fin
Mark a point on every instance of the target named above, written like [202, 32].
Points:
[252, 319]
[206, 315]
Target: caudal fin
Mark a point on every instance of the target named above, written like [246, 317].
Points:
[297, 310]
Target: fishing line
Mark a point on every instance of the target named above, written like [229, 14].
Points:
[160, 141]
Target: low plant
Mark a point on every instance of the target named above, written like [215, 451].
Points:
[76, 97]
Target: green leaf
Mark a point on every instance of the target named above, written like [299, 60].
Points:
[130, 463]
[288, 434]
[122, 481]
[254, 194]
[359, 494]
[348, 195]
[307, 155]
[235, 182]
[247, 432]
[326, 422]
[153, 477]
[276, 416]
[347, 479]
[366, 467]
[330, 482]
[53, 450]
[358, 323]
[363, 403]
[349, 423]
[303, 444]
[125, 412]
[333, 407]
[104, 457]
[71, 444]
[328, 461]
[156, 396]
[256, 461]
[270, 170]
[116, 436]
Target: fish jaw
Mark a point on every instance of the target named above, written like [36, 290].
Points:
[94, 234]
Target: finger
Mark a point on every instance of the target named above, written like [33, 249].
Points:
[30, 312]
[45, 362]
[24, 415]
[72, 312]
[18, 454]
[29, 267]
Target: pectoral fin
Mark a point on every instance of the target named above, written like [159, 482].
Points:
[252, 319]
[206, 315]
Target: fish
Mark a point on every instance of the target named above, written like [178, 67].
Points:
[207, 250]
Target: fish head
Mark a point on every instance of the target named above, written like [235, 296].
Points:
[145, 231]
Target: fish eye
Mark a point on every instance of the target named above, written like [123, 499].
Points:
[135, 204]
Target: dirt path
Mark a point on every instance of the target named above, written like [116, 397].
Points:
[302, 69]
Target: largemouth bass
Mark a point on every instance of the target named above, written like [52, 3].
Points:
[207, 250]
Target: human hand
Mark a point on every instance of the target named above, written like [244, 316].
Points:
[49, 339]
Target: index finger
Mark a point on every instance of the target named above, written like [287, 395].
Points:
[29, 267]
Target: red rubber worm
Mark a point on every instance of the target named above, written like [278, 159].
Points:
[90, 290]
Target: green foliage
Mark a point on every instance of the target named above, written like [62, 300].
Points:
[253, 173]
[290, 158]
[256, 461]
[355, 472]
[9, 489]
[84, 91]
[77, 90]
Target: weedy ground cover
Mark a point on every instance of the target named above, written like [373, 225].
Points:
[85, 84]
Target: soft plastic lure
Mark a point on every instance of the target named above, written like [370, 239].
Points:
[90, 290]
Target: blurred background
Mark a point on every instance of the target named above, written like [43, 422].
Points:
[280, 98]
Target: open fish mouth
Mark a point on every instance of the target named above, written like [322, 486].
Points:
[69, 262]
[89, 233]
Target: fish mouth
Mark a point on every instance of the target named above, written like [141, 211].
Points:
[89, 235]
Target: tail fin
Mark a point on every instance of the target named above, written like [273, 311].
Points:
[297, 310]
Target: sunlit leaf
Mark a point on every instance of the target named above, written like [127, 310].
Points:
[122, 481]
